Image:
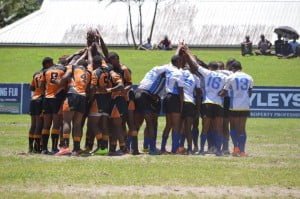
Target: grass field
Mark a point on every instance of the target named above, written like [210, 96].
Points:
[271, 171]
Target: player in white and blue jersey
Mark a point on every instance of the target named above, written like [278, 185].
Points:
[213, 103]
[174, 102]
[148, 104]
[239, 85]
[226, 71]
[191, 104]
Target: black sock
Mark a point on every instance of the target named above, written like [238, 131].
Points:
[30, 141]
[103, 144]
[54, 138]
[45, 139]
[112, 148]
[37, 144]
[134, 143]
[66, 142]
[76, 145]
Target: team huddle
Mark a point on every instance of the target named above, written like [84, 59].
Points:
[92, 87]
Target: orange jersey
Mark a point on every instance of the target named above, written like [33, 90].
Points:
[53, 73]
[36, 84]
[80, 79]
[125, 74]
[100, 79]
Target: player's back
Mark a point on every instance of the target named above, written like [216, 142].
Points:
[79, 80]
[191, 82]
[36, 83]
[240, 83]
[174, 79]
[53, 73]
[214, 82]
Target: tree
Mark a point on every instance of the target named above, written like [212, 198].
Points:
[13, 10]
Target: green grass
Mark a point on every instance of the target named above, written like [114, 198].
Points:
[274, 144]
[18, 64]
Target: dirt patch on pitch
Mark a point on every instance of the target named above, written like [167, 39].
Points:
[126, 191]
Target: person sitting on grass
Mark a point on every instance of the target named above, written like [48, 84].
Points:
[165, 44]
[146, 46]
[264, 46]
[246, 46]
[278, 45]
[287, 51]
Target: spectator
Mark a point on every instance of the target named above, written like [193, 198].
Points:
[294, 44]
[287, 51]
[278, 45]
[246, 46]
[264, 46]
[165, 44]
[146, 46]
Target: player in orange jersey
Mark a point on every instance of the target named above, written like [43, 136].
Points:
[78, 78]
[128, 110]
[54, 96]
[36, 107]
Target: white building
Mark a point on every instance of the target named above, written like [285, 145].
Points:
[198, 22]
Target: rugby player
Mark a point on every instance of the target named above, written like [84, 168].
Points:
[78, 78]
[36, 107]
[213, 103]
[148, 104]
[174, 100]
[54, 96]
[190, 106]
[239, 84]
[125, 73]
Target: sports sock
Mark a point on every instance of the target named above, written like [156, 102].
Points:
[155, 137]
[225, 144]
[152, 144]
[37, 143]
[30, 141]
[163, 143]
[175, 141]
[195, 134]
[182, 140]
[210, 139]
[218, 141]
[45, 138]
[128, 141]
[145, 144]
[203, 138]
[112, 147]
[54, 137]
[242, 141]
[134, 143]
[234, 138]
[66, 138]
[76, 143]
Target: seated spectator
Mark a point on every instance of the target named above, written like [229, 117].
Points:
[287, 51]
[294, 44]
[146, 46]
[246, 46]
[278, 45]
[264, 46]
[165, 44]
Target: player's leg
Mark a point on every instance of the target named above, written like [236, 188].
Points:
[38, 132]
[218, 123]
[166, 133]
[234, 123]
[188, 133]
[67, 126]
[31, 135]
[77, 132]
[47, 107]
[242, 136]
[195, 133]
[151, 133]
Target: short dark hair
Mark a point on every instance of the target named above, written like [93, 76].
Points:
[174, 59]
[236, 65]
[113, 55]
[214, 65]
[230, 61]
[82, 62]
[47, 60]
[97, 60]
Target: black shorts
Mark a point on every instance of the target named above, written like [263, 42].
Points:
[75, 102]
[172, 103]
[212, 110]
[226, 105]
[104, 103]
[146, 102]
[188, 110]
[118, 107]
[239, 113]
[36, 107]
[52, 105]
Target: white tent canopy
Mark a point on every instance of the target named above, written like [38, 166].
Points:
[198, 22]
